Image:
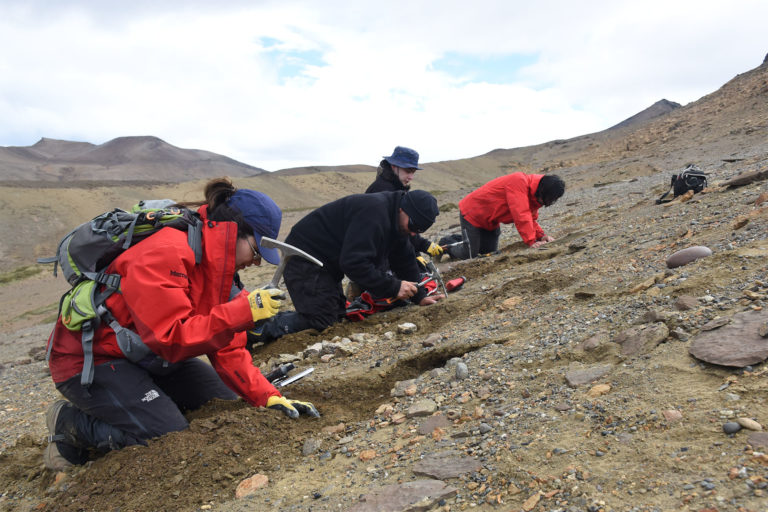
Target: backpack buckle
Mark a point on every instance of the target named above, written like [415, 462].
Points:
[108, 280]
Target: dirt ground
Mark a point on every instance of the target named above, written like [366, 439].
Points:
[487, 376]
[515, 324]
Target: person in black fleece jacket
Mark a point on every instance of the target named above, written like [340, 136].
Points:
[354, 236]
[395, 172]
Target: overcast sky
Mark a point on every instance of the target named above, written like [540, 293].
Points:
[288, 83]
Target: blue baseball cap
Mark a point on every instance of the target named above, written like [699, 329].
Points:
[263, 215]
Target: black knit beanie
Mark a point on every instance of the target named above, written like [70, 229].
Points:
[421, 208]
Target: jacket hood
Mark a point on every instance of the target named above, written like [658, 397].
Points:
[386, 173]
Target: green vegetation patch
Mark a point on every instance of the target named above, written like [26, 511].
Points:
[447, 207]
[20, 273]
[51, 310]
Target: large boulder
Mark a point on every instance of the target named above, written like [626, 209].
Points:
[737, 343]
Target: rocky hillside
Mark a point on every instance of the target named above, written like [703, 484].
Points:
[590, 375]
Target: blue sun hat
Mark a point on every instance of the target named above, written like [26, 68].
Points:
[404, 157]
[263, 215]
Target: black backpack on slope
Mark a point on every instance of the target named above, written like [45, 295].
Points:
[692, 178]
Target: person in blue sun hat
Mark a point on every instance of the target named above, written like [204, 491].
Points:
[395, 172]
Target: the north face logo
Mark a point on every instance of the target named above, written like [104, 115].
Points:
[150, 395]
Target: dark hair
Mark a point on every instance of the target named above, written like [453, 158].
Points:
[217, 193]
[551, 188]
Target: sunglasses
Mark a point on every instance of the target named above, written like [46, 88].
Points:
[256, 253]
[413, 228]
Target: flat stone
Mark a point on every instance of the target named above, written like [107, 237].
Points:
[758, 439]
[686, 302]
[593, 342]
[672, 415]
[737, 344]
[636, 341]
[430, 424]
[510, 303]
[654, 316]
[313, 350]
[416, 496]
[599, 390]
[310, 447]
[746, 178]
[407, 328]
[688, 255]
[715, 324]
[401, 386]
[579, 376]
[447, 464]
[421, 408]
[251, 485]
[432, 340]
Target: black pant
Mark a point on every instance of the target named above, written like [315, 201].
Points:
[317, 297]
[480, 241]
[126, 405]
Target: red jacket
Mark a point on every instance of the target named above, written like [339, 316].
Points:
[179, 309]
[503, 200]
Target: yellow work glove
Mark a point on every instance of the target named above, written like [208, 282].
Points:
[264, 303]
[292, 408]
[435, 250]
[422, 261]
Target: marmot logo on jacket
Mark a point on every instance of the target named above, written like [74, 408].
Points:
[178, 274]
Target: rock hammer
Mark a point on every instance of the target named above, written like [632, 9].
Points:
[287, 251]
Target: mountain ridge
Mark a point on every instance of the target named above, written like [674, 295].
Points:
[136, 158]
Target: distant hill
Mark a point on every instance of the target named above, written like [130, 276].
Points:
[124, 159]
[659, 108]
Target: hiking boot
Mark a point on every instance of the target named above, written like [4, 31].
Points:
[62, 451]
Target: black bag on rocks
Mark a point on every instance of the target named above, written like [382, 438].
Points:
[692, 178]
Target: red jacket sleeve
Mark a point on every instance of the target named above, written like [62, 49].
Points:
[161, 294]
[234, 365]
[523, 215]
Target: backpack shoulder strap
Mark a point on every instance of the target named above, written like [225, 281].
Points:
[665, 194]
[195, 237]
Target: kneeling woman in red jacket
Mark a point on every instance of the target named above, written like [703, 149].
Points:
[514, 198]
[181, 310]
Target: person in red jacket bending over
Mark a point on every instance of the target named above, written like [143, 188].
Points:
[514, 198]
[181, 310]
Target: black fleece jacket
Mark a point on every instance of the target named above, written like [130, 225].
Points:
[387, 181]
[356, 235]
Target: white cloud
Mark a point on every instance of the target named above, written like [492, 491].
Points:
[228, 76]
